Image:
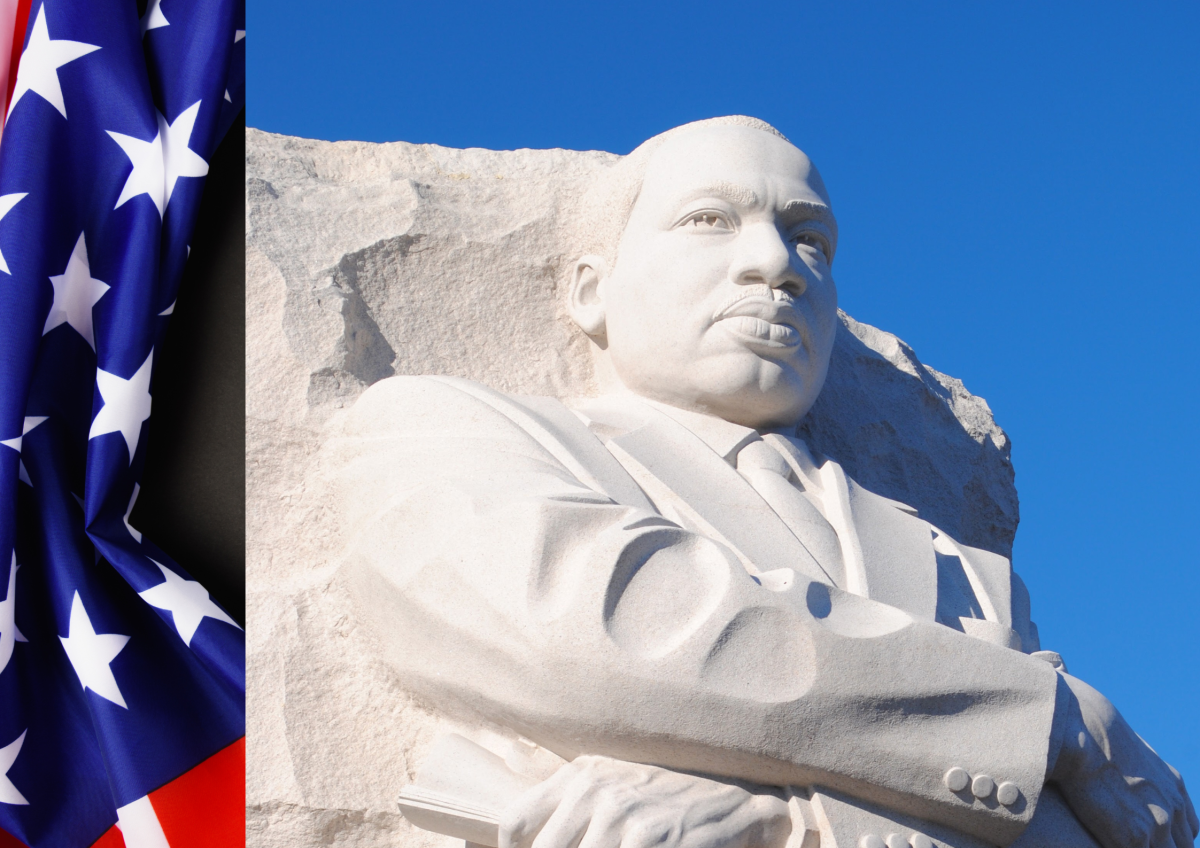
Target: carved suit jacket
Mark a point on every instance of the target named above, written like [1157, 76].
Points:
[605, 582]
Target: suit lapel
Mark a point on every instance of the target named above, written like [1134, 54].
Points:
[719, 499]
[898, 564]
[990, 576]
[888, 552]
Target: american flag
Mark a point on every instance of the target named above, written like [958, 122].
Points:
[122, 709]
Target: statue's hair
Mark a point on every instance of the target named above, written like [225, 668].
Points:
[609, 202]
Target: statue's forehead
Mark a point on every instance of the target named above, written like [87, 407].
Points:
[732, 157]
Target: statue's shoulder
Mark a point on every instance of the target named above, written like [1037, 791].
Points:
[418, 391]
[450, 407]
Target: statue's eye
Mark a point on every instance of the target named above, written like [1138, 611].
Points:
[707, 221]
[810, 238]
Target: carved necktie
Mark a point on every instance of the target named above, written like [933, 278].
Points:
[772, 477]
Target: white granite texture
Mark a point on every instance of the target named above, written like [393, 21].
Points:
[366, 261]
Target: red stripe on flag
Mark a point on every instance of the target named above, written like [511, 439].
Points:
[206, 807]
[110, 839]
[18, 44]
[202, 808]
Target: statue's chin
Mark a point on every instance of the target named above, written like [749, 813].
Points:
[770, 396]
[762, 412]
[737, 384]
[748, 406]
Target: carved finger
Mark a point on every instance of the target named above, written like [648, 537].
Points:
[519, 824]
[1190, 811]
[518, 829]
[775, 820]
[734, 831]
[658, 833]
[1181, 830]
[569, 822]
[605, 828]
[1108, 816]
[525, 817]
[1160, 834]
[762, 821]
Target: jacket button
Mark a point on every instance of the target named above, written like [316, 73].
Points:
[920, 840]
[895, 840]
[871, 841]
[1007, 793]
[956, 779]
[982, 786]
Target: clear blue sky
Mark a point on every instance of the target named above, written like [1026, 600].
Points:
[1018, 190]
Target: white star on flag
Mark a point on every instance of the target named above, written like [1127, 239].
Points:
[7, 202]
[154, 18]
[31, 421]
[75, 293]
[9, 634]
[15, 443]
[187, 601]
[126, 405]
[238, 35]
[90, 654]
[8, 756]
[158, 164]
[38, 71]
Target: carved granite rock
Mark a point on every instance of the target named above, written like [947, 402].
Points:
[365, 261]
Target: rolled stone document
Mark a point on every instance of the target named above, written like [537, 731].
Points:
[461, 791]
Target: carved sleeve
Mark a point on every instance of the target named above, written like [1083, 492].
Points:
[500, 586]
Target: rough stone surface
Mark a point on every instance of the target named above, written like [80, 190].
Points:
[365, 261]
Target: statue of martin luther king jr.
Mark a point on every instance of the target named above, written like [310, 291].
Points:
[722, 633]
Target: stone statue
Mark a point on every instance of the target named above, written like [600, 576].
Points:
[708, 633]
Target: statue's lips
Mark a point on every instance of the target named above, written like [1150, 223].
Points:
[770, 323]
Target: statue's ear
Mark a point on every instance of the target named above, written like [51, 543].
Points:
[585, 300]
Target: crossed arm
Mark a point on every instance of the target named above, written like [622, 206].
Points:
[503, 587]
[1116, 784]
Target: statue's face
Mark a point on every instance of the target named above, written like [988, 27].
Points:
[721, 299]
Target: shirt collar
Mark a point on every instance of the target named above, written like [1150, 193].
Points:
[724, 437]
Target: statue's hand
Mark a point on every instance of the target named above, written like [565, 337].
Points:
[596, 802]
[1114, 782]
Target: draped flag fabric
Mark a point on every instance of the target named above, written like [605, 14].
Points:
[122, 683]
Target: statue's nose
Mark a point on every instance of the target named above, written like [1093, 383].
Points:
[764, 258]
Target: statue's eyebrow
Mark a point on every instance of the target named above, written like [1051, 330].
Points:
[798, 211]
[735, 194]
